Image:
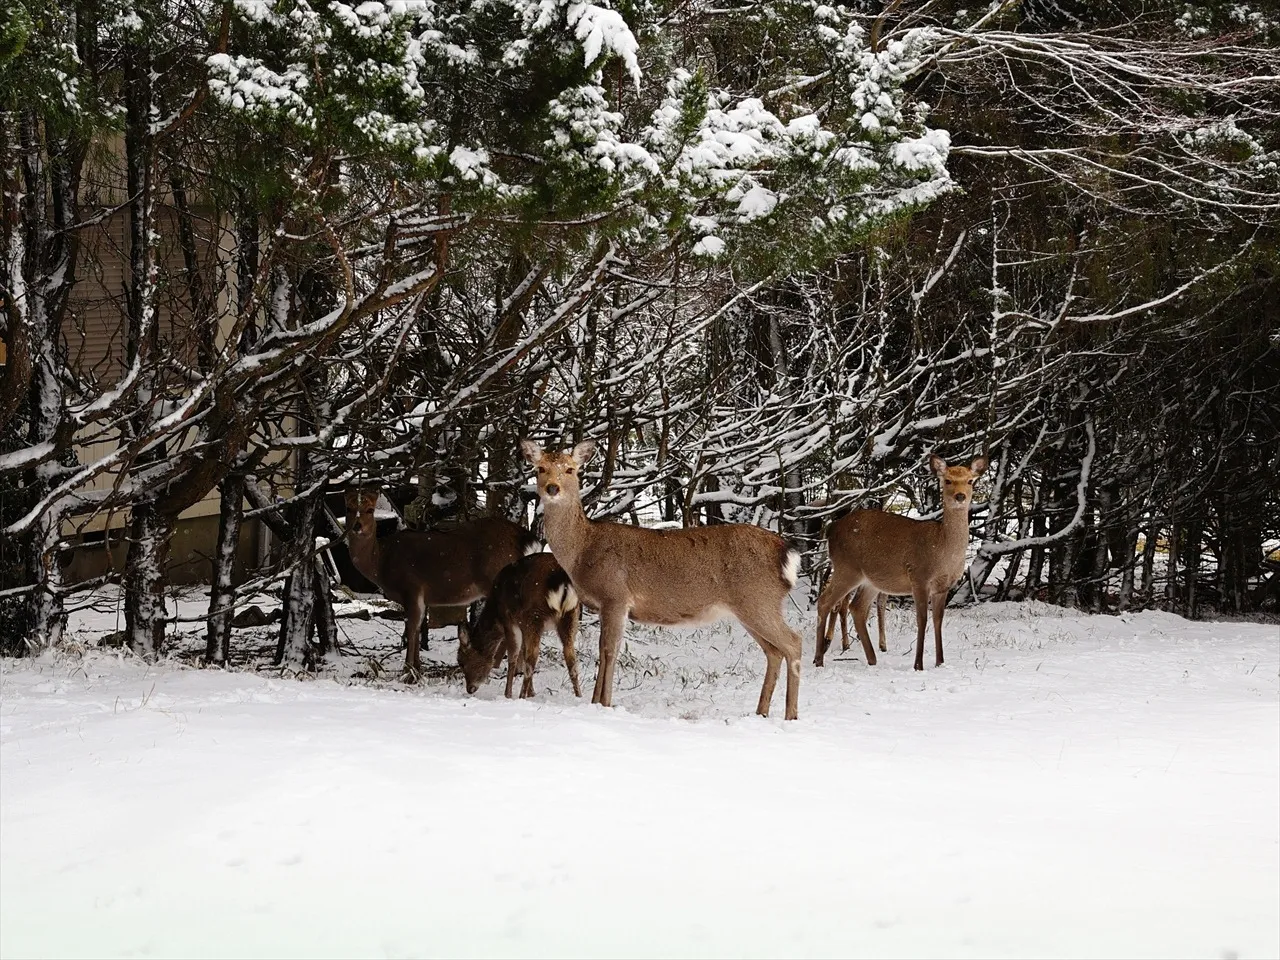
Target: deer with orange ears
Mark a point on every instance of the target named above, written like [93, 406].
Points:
[875, 553]
[669, 577]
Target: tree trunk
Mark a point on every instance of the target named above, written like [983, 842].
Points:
[326, 626]
[222, 593]
[1150, 538]
[145, 578]
[1192, 547]
[47, 614]
[1173, 548]
[1130, 548]
[293, 647]
[1035, 566]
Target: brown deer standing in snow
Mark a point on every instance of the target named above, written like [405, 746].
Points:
[669, 577]
[875, 552]
[527, 595]
[420, 569]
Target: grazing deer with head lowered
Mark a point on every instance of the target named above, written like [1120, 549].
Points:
[420, 569]
[876, 552]
[669, 577]
[526, 596]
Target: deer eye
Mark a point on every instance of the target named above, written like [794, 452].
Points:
[569, 470]
[542, 469]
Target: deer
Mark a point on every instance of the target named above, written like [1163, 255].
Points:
[876, 552]
[527, 595]
[843, 610]
[420, 569]
[681, 577]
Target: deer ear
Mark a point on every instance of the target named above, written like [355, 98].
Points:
[464, 637]
[937, 464]
[979, 466]
[531, 449]
[584, 451]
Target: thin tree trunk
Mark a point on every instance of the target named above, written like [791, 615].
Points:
[1130, 548]
[1174, 546]
[42, 283]
[1193, 549]
[150, 528]
[222, 592]
[1035, 566]
[1150, 538]
[47, 614]
[145, 578]
[326, 626]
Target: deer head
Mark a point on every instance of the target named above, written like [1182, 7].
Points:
[361, 502]
[957, 482]
[475, 663]
[558, 473]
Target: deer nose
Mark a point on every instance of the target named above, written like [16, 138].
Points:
[553, 489]
[959, 498]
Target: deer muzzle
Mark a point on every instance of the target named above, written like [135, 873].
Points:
[553, 489]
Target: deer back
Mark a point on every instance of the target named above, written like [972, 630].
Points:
[453, 567]
[680, 576]
[892, 551]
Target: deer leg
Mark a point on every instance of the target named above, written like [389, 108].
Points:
[939, 603]
[613, 620]
[844, 625]
[880, 621]
[532, 647]
[820, 642]
[861, 610]
[413, 616]
[567, 627]
[833, 593]
[512, 646]
[921, 596]
[779, 642]
[792, 652]
[773, 662]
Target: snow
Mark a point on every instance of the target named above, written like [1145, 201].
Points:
[599, 29]
[754, 203]
[1065, 785]
[471, 164]
[709, 247]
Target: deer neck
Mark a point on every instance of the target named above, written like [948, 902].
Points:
[955, 530]
[366, 555]
[567, 529]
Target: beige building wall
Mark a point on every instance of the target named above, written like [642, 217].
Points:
[95, 333]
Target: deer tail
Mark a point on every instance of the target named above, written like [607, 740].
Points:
[561, 597]
[790, 566]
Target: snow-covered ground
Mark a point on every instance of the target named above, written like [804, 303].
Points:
[1065, 786]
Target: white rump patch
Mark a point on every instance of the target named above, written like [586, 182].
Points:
[791, 568]
[562, 599]
[533, 547]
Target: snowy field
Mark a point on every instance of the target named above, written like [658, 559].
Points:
[1065, 786]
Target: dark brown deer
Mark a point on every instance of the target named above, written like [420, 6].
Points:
[529, 594]
[420, 569]
[669, 577]
[875, 552]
